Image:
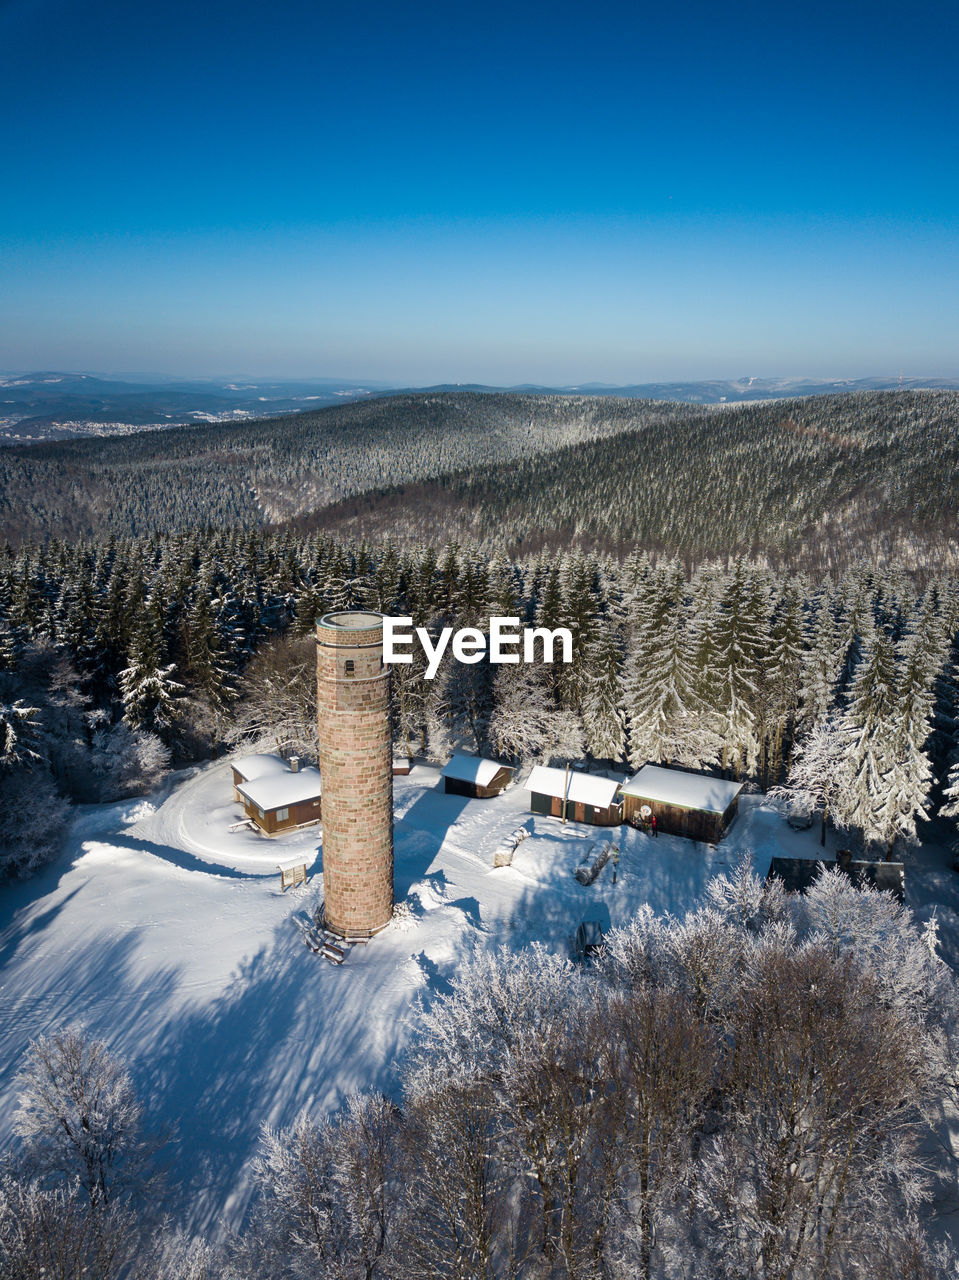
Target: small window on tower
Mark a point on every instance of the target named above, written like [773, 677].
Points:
[350, 667]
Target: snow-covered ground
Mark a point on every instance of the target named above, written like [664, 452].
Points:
[168, 936]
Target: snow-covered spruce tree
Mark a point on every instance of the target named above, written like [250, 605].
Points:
[912, 776]
[741, 638]
[471, 592]
[603, 717]
[503, 590]
[821, 662]
[668, 721]
[882, 785]
[582, 610]
[79, 1117]
[75, 622]
[550, 613]
[856, 618]
[780, 680]
[210, 664]
[18, 729]
[10, 644]
[650, 615]
[147, 688]
[950, 793]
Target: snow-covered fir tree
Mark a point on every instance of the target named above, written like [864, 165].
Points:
[148, 690]
[870, 727]
[602, 715]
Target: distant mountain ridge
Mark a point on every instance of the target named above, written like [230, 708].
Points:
[720, 392]
[52, 405]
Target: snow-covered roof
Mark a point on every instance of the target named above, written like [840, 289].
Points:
[277, 790]
[473, 769]
[259, 766]
[687, 790]
[584, 788]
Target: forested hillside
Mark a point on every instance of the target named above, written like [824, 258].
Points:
[240, 475]
[813, 483]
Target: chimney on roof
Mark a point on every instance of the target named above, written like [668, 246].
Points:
[294, 764]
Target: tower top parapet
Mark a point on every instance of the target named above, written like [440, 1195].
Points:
[352, 620]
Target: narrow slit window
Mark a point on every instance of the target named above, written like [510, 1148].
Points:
[350, 667]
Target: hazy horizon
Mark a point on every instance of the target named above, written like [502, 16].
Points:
[137, 377]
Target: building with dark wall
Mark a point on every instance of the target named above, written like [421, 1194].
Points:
[356, 763]
[800, 874]
[575, 795]
[277, 795]
[684, 803]
[475, 777]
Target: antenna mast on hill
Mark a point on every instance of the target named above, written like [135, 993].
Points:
[900, 379]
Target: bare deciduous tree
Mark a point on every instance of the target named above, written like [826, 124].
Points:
[79, 1116]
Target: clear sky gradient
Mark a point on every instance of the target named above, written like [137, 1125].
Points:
[490, 192]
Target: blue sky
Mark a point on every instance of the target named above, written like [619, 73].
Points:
[485, 192]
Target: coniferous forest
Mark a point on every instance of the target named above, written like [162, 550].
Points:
[815, 483]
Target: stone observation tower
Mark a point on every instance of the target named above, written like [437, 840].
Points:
[356, 766]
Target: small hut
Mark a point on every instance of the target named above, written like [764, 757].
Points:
[684, 803]
[281, 798]
[475, 777]
[581, 797]
[799, 874]
[401, 766]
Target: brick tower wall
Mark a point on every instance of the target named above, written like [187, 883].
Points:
[356, 764]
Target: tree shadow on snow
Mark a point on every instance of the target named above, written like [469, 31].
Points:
[290, 1032]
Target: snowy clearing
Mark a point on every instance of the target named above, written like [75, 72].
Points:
[168, 936]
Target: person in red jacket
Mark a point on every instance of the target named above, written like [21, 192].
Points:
[652, 823]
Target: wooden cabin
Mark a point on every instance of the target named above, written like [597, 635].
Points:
[475, 777]
[684, 803]
[577, 796]
[249, 768]
[278, 799]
